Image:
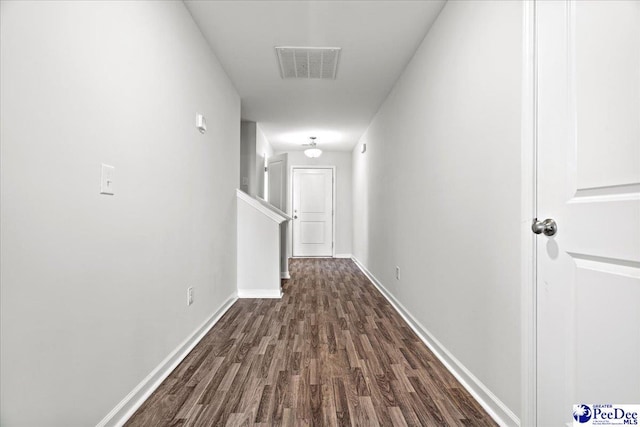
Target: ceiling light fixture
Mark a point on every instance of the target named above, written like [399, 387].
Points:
[312, 152]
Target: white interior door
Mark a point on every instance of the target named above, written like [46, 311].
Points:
[277, 181]
[312, 212]
[588, 181]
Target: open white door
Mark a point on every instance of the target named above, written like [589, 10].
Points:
[277, 181]
[312, 212]
[588, 181]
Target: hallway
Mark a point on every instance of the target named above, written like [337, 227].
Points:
[472, 168]
[333, 351]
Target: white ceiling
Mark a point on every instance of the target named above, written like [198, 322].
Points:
[378, 38]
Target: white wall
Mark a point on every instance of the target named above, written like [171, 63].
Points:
[93, 291]
[259, 249]
[254, 145]
[248, 157]
[438, 191]
[263, 152]
[343, 209]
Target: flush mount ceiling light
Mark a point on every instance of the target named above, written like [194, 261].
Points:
[312, 152]
[308, 62]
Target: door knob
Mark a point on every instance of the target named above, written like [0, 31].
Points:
[295, 217]
[548, 227]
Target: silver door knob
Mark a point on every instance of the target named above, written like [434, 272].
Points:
[548, 227]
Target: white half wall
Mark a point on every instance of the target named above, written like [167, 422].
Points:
[94, 287]
[437, 192]
[343, 209]
[259, 249]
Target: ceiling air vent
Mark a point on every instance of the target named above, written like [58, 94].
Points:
[308, 62]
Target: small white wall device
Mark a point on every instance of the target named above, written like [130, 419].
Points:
[201, 123]
[106, 180]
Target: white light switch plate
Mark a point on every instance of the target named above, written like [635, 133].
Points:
[106, 180]
[201, 123]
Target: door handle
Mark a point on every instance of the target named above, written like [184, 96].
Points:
[548, 227]
[295, 217]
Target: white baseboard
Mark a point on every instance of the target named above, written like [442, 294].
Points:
[285, 275]
[259, 293]
[489, 401]
[343, 256]
[130, 404]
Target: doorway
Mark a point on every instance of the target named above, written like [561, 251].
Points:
[313, 199]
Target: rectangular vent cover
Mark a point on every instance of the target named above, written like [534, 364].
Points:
[308, 62]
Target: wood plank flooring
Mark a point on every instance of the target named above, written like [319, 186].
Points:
[331, 352]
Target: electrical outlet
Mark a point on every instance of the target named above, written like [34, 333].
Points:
[189, 296]
[397, 273]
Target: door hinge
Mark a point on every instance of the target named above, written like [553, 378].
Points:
[266, 169]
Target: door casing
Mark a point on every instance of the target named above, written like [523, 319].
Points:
[528, 211]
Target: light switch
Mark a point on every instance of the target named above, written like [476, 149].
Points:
[201, 123]
[106, 180]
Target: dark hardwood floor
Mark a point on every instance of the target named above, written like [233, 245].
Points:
[331, 352]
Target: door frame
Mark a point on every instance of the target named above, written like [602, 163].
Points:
[528, 211]
[333, 202]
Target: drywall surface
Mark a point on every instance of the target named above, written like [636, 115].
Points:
[343, 209]
[254, 150]
[248, 157]
[93, 287]
[437, 192]
[263, 152]
[258, 252]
